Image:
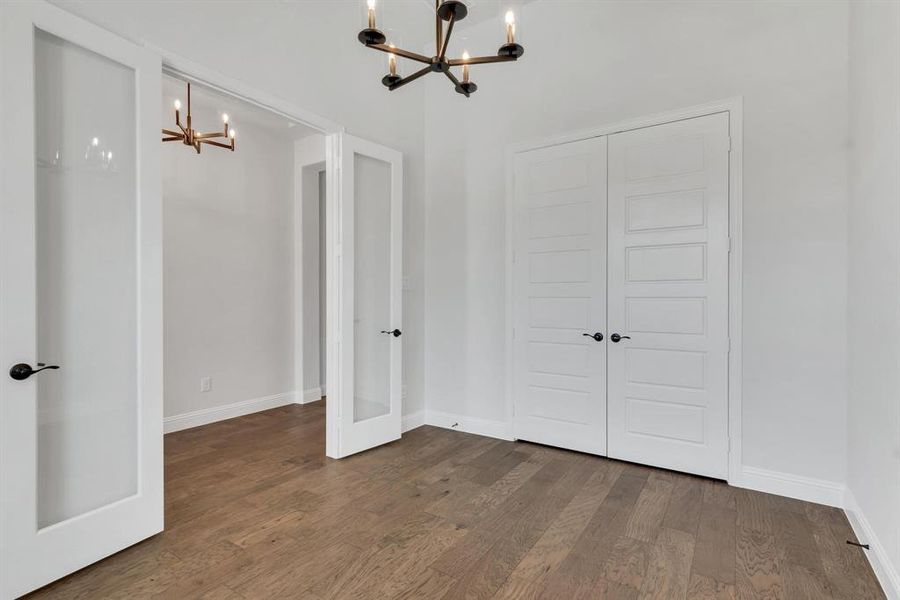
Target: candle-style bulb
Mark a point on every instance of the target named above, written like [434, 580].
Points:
[371, 5]
[392, 62]
[232, 133]
[225, 118]
[177, 104]
[510, 27]
[465, 69]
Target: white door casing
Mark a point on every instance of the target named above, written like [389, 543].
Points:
[81, 284]
[364, 281]
[668, 291]
[559, 295]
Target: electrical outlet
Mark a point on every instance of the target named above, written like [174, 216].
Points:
[205, 384]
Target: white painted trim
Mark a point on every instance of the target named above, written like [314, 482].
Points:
[309, 152]
[878, 557]
[412, 421]
[311, 395]
[206, 416]
[502, 430]
[820, 491]
[735, 109]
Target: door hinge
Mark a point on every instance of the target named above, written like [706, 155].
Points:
[729, 143]
[730, 245]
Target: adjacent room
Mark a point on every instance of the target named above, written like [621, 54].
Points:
[481, 299]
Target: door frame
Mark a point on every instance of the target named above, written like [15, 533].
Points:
[735, 108]
[188, 70]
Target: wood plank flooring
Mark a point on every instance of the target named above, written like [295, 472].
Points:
[255, 510]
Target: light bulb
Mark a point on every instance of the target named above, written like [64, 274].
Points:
[392, 62]
[371, 4]
[109, 155]
[224, 117]
[465, 55]
[465, 69]
[510, 27]
[95, 142]
[178, 105]
[232, 133]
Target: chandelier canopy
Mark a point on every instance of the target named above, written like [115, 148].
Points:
[449, 12]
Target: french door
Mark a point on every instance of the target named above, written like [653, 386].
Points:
[559, 308]
[620, 295]
[81, 290]
[364, 276]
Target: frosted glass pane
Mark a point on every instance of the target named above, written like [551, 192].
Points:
[86, 279]
[372, 349]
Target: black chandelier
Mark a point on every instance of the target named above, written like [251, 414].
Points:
[450, 11]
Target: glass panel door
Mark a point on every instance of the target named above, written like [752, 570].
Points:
[364, 218]
[81, 280]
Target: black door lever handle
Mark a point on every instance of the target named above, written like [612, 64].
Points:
[598, 337]
[24, 371]
[395, 333]
[616, 338]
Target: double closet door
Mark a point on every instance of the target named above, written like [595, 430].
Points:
[620, 295]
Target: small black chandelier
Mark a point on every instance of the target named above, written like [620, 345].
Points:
[450, 11]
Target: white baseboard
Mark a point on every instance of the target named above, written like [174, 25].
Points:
[819, 491]
[495, 429]
[311, 395]
[885, 572]
[413, 420]
[229, 411]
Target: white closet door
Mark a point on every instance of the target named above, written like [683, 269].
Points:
[81, 445]
[559, 296]
[668, 292]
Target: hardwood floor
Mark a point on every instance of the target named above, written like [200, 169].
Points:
[255, 510]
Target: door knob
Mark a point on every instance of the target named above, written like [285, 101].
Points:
[598, 337]
[616, 337]
[395, 333]
[24, 371]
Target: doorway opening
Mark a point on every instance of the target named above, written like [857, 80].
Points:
[233, 234]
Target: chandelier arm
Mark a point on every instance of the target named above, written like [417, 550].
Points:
[410, 78]
[455, 81]
[173, 139]
[480, 60]
[206, 136]
[401, 52]
[443, 49]
[170, 132]
[219, 144]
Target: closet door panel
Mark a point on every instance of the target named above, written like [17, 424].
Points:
[559, 294]
[668, 295]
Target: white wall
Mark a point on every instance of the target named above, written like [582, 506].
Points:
[588, 64]
[307, 53]
[228, 263]
[873, 414]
